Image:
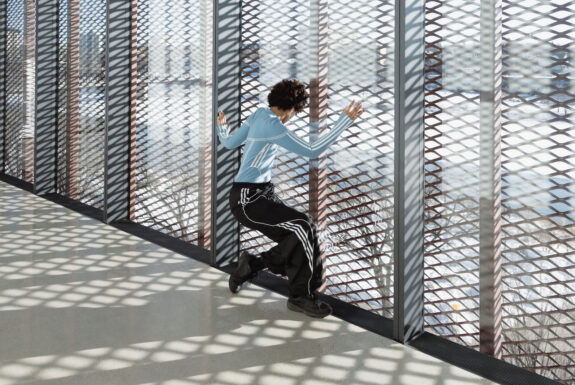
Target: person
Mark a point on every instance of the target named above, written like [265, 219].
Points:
[254, 203]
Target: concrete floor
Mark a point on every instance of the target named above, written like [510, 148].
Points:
[83, 303]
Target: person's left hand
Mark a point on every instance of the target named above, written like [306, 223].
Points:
[222, 118]
[352, 111]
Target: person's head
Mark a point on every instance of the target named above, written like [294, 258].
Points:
[289, 96]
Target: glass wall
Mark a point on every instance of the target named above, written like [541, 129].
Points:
[452, 128]
[81, 127]
[537, 176]
[538, 180]
[172, 104]
[63, 167]
[171, 112]
[20, 78]
[344, 51]
[269, 54]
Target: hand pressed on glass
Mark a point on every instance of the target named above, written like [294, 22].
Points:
[352, 111]
[221, 118]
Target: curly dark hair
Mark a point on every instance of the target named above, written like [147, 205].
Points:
[289, 94]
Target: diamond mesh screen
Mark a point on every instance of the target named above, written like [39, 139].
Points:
[20, 82]
[359, 165]
[275, 45]
[452, 170]
[173, 101]
[351, 192]
[538, 309]
[62, 175]
[81, 127]
[538, 158]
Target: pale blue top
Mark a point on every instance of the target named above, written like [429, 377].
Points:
[262, 133]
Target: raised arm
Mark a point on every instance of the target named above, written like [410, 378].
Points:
[238, 137]
[294, 143]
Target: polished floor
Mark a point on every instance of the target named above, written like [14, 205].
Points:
[83, 303]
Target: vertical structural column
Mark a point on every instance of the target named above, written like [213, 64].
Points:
[318, 109]
[118, 132]
[490, 179]
[73, 116]
[134, 86]
[3, 64]
[409, 177]
[28, 131]
[205, 115]
[227, 38]
[46, 96]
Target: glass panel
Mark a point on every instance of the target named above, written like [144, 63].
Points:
[81, 109]
[275, 45]
[538, 166]
[452, 170]
[359, 193]
[355, 178]
[173, 90]
[538, 157]
[20, 82]
[62, 171]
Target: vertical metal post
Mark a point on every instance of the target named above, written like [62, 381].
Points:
[409, 177]
[204, 200]
[118, 90]
[490, 332]
[3, 70]
[46, 96]
[434, 57]
[73, 110]
[227, 46]
[318, 109]
[29, 61]
[205, 155]
[134, 86]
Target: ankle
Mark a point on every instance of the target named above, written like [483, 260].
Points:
[257, 264]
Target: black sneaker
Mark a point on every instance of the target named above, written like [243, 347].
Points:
[242, 273]
[310, 306]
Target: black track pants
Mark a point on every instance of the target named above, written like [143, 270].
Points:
[297, 252]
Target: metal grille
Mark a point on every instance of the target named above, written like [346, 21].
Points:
[173, 80]
[20, 75]
[452, 170]
[538, 158]
[538, 309]
[275, 45]
[62, 132]
[81, 107]
[349, 190]
[359, 197]
[91, 98]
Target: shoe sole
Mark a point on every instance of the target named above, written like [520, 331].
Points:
[298, 309]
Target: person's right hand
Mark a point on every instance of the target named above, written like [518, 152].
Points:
[352, 111]
[222, 118]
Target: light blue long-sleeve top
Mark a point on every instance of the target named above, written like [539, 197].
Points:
[262, 133]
